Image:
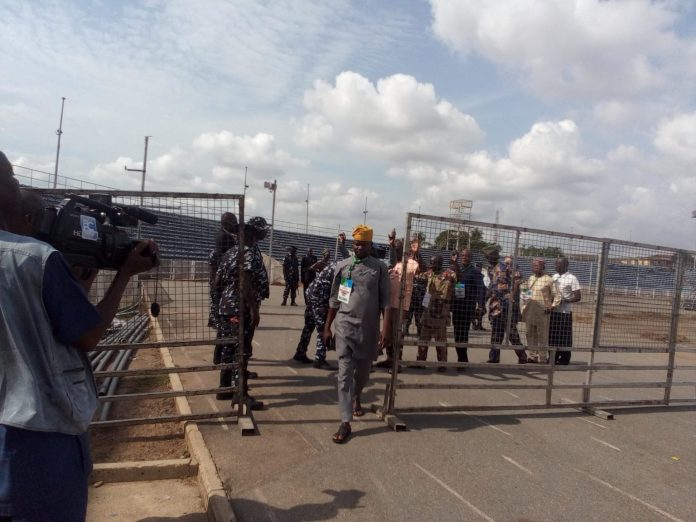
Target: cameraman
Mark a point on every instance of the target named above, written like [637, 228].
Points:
[48, 393]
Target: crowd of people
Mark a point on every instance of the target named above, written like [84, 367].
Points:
[352, 303]
[347, 299]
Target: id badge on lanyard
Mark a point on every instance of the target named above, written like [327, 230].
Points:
[344, 290]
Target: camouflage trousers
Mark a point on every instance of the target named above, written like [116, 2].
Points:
[312, 321]
[228, 326]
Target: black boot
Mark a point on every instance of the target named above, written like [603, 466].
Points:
[225, 382]
[252, 403]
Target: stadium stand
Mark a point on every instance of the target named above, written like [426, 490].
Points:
[191, 238]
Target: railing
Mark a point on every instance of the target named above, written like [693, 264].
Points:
[637, 342]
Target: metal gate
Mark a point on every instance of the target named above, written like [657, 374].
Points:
[185, 232]
[634, 337]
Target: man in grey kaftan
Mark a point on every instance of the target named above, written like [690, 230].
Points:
[359, 295]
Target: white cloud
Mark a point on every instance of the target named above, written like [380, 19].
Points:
[570, 49]
[259, 152]
[396, 119]
[676, 137]
[614, 113]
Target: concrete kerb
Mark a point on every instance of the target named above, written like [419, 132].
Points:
[212, 491]
[147, 470]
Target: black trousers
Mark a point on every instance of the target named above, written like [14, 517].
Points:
[290, 288]
[561, 334]
[462, 316]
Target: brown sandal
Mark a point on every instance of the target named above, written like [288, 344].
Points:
[343, 433]
[357, 409]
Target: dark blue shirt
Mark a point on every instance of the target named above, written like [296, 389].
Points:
[69, 310]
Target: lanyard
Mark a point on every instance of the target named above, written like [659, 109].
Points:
[356, 261]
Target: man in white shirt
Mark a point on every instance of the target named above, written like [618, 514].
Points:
[561, 321]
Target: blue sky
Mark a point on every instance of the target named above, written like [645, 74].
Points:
[561, 114]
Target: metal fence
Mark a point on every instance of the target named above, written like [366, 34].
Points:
[185, 232]
[633, 331]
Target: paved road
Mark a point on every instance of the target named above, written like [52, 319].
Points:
[517, 465]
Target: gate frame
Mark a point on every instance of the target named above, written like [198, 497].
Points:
[389, 412]
[239, 407]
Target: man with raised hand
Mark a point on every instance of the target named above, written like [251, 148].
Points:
[359, 295]
[503, 297]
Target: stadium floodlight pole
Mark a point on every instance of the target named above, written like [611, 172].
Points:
[143, 170]
[59, 132]
[142, 181]
[306, 226]
[272, 188]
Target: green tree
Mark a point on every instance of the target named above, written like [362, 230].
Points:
[447, 240]
[533, 251]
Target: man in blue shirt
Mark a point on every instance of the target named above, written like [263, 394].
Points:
[46, 325]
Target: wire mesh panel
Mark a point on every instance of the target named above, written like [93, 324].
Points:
[639, 291]
[600, 318]
[185, 230]
[170, 305]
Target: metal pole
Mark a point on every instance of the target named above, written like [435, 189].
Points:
[60, 133]
[142, 183]
[511, 304]
[398, 336]
[681, 259]
[239, 398]
[143, 171]
[336, 247]
[306, 227]
[597, 321]
[273, 189]
[365, 212]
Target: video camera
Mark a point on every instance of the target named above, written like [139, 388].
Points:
[86, 230]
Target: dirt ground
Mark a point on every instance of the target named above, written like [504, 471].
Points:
[144, 442]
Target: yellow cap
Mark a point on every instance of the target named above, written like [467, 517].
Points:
[362, 233]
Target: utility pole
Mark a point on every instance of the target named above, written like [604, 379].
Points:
[59, 132]
[245, 181]
[365, 212]
[306, 227]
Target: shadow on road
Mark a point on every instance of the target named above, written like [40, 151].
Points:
[253, 510]
[455, 422]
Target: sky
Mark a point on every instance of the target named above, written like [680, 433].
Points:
[570, 115]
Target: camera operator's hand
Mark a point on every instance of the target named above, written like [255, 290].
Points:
[142, 258]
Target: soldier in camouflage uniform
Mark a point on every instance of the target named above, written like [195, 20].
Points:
[318, 294]
[310, 324]
[225, 238]
[291, 273]
[256, 281]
